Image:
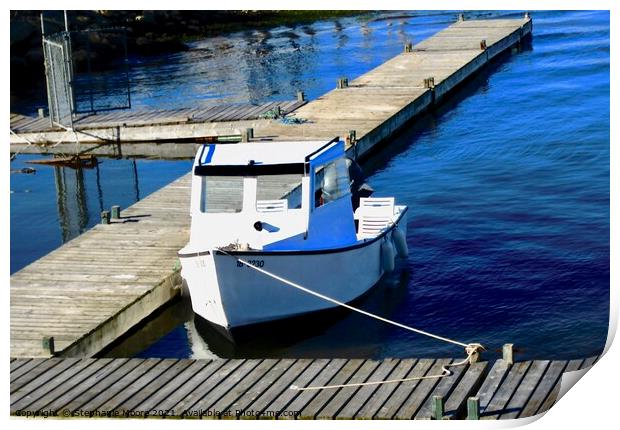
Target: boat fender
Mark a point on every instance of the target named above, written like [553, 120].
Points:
[400, 243]
[387, 256]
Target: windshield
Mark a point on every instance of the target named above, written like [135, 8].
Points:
[221, 194]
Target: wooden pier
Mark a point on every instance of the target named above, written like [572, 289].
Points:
[260, 389]
[374, 105]
[81, 297]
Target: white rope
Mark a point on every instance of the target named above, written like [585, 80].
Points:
[444, 369]
[470, 348]
[21, 137]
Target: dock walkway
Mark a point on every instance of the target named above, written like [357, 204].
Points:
[260, 389]
[98, 286]
[374, 105]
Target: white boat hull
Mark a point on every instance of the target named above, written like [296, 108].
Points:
[229, 294]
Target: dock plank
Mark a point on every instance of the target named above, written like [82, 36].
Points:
[343, 395]
[261, 405]
[254, 389]
[422, 391]
[384, 392]
[395, 401]
[525, 389]
[552, 374]
[491, 383]
[444, 388]
[456, 403]
[203, 407]
[505, 391]
[359, 399]
[325, 376]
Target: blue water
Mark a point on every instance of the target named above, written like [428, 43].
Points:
[507, 184]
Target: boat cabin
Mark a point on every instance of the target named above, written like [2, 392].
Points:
[272, 196]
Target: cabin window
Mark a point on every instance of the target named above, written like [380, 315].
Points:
[331, 182]
[221, 194]
[280, 187]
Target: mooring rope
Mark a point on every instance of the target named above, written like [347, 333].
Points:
[470, 348]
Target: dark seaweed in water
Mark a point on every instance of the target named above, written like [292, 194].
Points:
[507, 184]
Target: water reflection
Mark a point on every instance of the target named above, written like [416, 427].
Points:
[71, 201]
[57, 203]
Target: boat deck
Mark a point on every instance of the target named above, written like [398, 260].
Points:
[259, 389]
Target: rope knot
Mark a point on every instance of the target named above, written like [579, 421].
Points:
[473, 350]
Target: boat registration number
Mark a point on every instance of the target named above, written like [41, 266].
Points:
[255, 263]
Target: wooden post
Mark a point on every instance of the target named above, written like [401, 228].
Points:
[301, 96]
[48, 344]
[247, 134]
[105, 217]
[277, 111]
[527, 15]
[483, 44]
[461, 17]
[429, 82]
[437, 408]
[507, 351]
[116, 212]
[352, 136]
[473, 408]
[41, 112]
[342, 83]
[408, 47]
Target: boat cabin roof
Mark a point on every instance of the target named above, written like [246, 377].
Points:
[266, 157]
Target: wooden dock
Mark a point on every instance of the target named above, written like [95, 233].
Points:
[374, 105]
[260, 389]
[98, 286]
[95, 287]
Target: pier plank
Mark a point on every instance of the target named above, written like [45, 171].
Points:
[525, 389]
[261, 388]
[149, 389]
[74, 400]
[251, 387]
[359, 399]
[491, 383]
[204, 406]
[262, 404]
[100, 399]
[444, 388]
[552, 397]
[171, 384]
[47, 382]
[456, 403]
[422, 390]
[323, 396]
[310, 378]
[505, 391]
[379, 397]
[241, 407]
[24, 372]
[544, 388]
[343, 395]
[89, 376]
[197, 386]
[277, 407]
[394, 403]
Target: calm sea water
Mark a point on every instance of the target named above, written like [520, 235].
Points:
[507, 184]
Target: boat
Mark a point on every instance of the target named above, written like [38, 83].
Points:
[298, 210]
